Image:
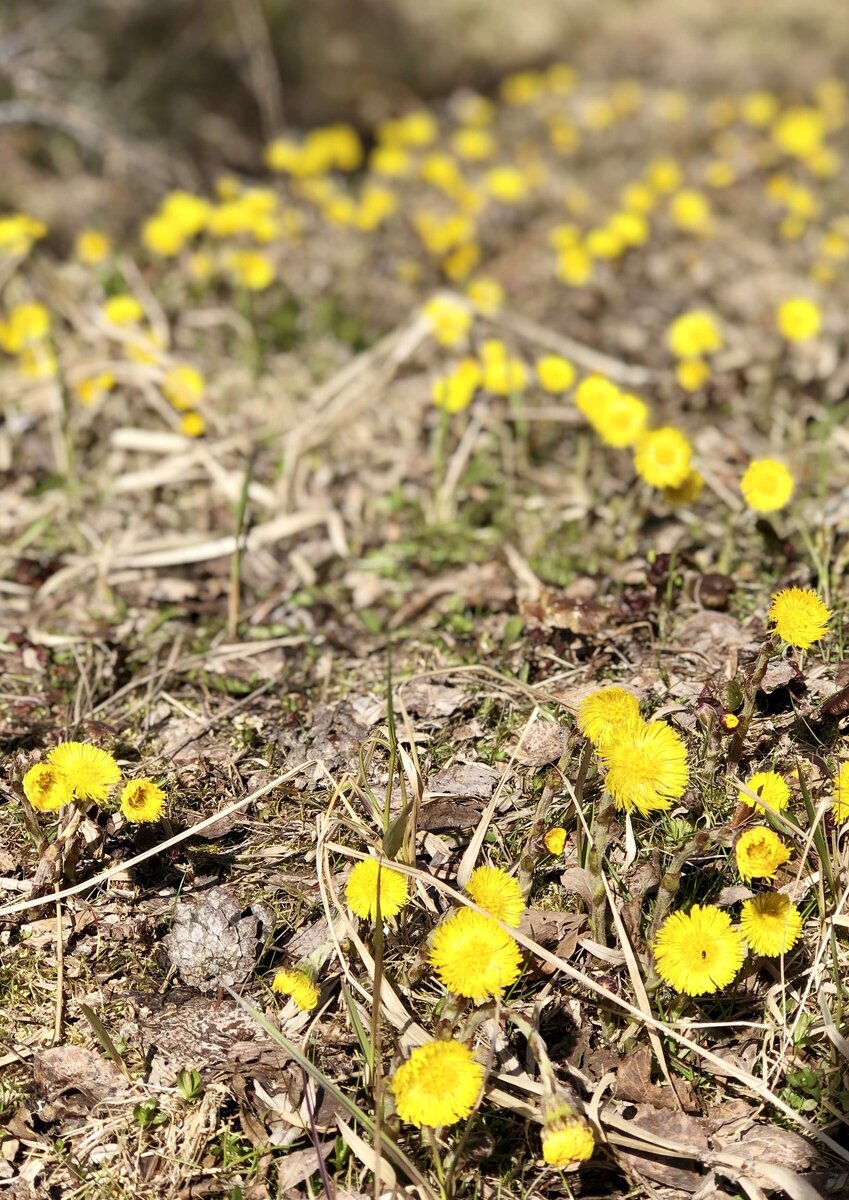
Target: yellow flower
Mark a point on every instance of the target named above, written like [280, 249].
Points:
[94, 387]
[292, 981]
[555, 840]
[473, 956]
[362, 887]
[392, 161]
[799, 131]
[522, 87]
[770, 923]
[504, 376]
[771, 788]
[690, 210]
[142, 800]
[38, 362]
[506, 183]
[456, 391]
[694, 334]
[840, 803]
[555, 374]
[574, 266]
[474, 145]
[759, 853]
[47, 788]
[186, 212]
[688, 491]
[800, 617]
[486, 294]
[798, 319]
[566, 1138]
[645, 765]
[603, 713]
[449, 319]
[92, 247]
[663, 457]
[699, 951]
[184, 386]
[18, 232]
[27, 325]
[767, 485]
[692, 374]
[594, 393]
[620, 422]
[162, 236]
[252, 269]
[758, 108]
[192, 425]
[90, 771]
[498, 893]
[122, 309]
[439, 1084]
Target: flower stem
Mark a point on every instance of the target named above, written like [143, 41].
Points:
[750, 692]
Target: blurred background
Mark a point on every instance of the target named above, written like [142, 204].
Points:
[122, 98]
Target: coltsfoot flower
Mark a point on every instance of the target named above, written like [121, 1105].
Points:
[771, 788]
[800, 617]
[603, 713]
[663, 457]
[91, 772]
[473, 956]
[645, 765]
[294, 982]
[770, 923]
[567, 1139]
[767, 485]
[699, 951]
[47, 788]
[142, 800]
[840, 803]
[362, 887]
[798, 319]
[438, 1084]
[759, 853]
[498, 893]
[555, 840]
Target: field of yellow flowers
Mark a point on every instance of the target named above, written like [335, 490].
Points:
[423, 628]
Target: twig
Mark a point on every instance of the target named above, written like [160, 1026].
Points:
[59, 1011]
[750, 692]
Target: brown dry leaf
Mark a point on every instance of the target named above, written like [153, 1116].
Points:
[432, 701]
[543, 743]
[633, 1082]
[771, 1144]
[558, 931]
[674, 1127]
[299, 1165]
[714, 635]
[780, 674]
[473, 780]
[579, 880]
[553, 609]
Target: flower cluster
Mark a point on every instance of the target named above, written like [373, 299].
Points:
[79, 771]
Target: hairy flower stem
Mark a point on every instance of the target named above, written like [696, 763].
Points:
[750, 692]
[602, 825]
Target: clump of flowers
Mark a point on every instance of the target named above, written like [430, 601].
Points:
[373, 878]
[699, 951]
[800, 617]
[439, 1084]
[79, 771]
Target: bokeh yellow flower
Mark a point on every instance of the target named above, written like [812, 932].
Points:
[663, 457]
[767, 485]
[798, 319]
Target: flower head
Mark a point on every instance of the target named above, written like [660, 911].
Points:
[692, 374]
[450, 320]
[555, 840]
[771, 788]
[770, 923]
[47, 788]
[555, 374]
[184, 386]
[123, 309]
[621, 421]
[498, 893]
[699, 951]
[760, 852]
[362, 888]
[767, 485]
[593, 393]
[438, 1084]
[292, 981]
[800, 617]
[473, 956]
[91, 772]
[798, 319]
[566, 1138]
[603, 713]
[687, 492]
[645, 765]
[840, 803]
[663, 457]
[694, 334]
[142, 800]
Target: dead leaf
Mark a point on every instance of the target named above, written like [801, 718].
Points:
[674, 1127]
[633, 1082]
[579, 880]
[543, 743]
[474, 780]
[76, 1069]
[553, 609]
